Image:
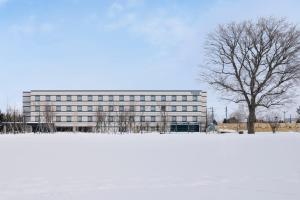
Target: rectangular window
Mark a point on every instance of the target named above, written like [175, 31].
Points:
[142, 118]
[174, 119]
[153, 108]
[195, 108]
[58, 98]
[111, 98]
[69, 98]
[142, 108]
[48, 98]
[110, 118]
[163, 108]
[58, 108]
[195, 98]
[121, 98]
[100, 98]
[173, 108]
[131, 108]
[90, 98]
[79, 98]
[153, 98]
[152, 118]
[111, 108]
[37, 108]
[184, 118]
[38, 98]
[90, 118]
[48, 108]
[79, 118]
[69, 118]
[90, 108]
[184, 108]
[195, 119]
[142, 98]
[174, 98]
[131, 118]
[79, 108]
[37, 118]
[100, 108]
[131, 98]
[121, 108]
[58, 118]
[69, 108]
[184, 98]
[163, 98]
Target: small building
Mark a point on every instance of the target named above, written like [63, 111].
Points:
[115, 110]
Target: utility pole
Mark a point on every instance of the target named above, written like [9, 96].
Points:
[226, 112]
[284, 116]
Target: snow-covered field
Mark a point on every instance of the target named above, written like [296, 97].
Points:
[150, 167]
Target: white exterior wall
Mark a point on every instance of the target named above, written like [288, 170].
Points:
[30, 104]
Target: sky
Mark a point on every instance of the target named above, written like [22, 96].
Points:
[116, 44]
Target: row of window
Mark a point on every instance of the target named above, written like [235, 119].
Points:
[113, 118]
[113, 98]
[120, 108]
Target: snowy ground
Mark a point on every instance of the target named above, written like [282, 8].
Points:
[150, 167]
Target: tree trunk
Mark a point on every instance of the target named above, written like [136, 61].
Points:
[251, 120]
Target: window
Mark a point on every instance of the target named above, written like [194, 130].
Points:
[195, 108]
[48, 98]
[90, 108]
[100, 98]
[174, 98]
[69, 109]
[131, 108]
[79, 108]
[90, 98]
[121, 108]
[153, 98]
[163, 108]
[58, 118]
[153, 119]
[184, 108]
[131, 118]
[174, 119]
[37, 108]
[131, 98]
[90, 118]
[79, 98]
[153, 109]
[173, 108]
[163, 98]
[142, 108]
[69, 118]
[184, 118]
[37, 118]
[195, 98]
[195, 119]
[100, 108]
[58, 98]
[121, 98]
[111, 108]
[58, 108]
[142, 118]
[69, 98]
[38, 98]
[48, 108]
[79, 118]
[111, 98]
[110, 118]
[184, 98]
[142, 98]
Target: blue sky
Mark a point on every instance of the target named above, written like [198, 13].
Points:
[115, 44]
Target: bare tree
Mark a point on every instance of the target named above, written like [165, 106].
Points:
[101, 121]
[49, 115]
[163, 118]
[239, 115]
[256, 63]
[273, 121]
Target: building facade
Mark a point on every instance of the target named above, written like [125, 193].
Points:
[116, 110]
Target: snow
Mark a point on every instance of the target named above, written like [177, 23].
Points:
[150, 166]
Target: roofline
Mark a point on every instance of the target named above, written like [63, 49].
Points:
[115, 91]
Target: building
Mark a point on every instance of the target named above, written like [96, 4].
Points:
[115, 110]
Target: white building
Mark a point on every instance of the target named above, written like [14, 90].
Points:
[116, 110]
